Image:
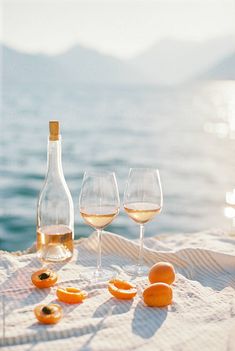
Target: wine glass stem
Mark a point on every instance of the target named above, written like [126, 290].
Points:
[99, 233]
[140, 257]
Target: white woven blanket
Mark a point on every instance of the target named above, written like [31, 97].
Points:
[202, 316]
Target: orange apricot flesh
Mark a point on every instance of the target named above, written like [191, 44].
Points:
[162, 272]
[44, 278]
[122, 289]
[158, 295]
[50, 314]
[71, 295]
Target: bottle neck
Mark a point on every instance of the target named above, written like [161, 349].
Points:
[54, 164]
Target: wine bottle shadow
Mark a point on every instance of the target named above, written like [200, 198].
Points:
[112, 307]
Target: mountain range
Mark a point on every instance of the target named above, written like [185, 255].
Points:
[224, 69]
[173, 62]
[169, 62]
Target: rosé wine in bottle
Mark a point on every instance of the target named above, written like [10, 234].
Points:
[55, 213]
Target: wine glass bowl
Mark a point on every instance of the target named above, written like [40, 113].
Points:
[99, 204]
[98, 218]
[143, 200]
[142, 212]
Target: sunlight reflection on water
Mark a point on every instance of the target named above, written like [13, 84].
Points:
[222, 96]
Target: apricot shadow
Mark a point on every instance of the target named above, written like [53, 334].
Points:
[153, 317]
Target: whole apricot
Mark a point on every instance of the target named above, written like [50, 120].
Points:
[158, 295]
[162, 272]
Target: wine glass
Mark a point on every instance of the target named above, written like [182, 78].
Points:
[142, 202]
[99, 204]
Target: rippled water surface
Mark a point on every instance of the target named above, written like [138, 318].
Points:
[188, 133]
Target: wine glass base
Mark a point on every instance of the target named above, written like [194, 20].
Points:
[95, 275]
[135, 270]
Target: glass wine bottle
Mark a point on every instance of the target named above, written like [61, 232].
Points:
[55, 213]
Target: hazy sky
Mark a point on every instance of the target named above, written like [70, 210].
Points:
[118, 27]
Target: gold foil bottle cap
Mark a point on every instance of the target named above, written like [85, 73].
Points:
[54, 127]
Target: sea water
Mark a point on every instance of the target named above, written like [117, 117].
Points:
[188, 133]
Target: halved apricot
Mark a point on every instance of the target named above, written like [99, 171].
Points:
[122, 289]
[44, 278]
[162, 272]
[48, 314]
[71, 295]
[158, 295]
